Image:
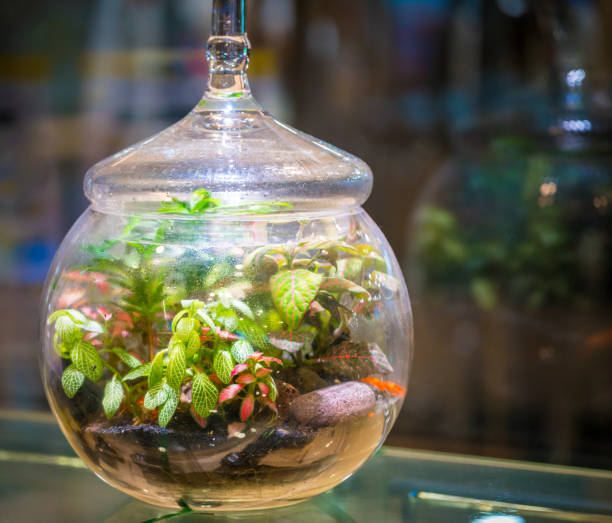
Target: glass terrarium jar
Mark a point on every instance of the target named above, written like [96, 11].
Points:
[225, 327]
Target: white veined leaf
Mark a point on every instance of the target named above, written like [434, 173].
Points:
[156, 396]
[72, 380]
[184, 327]
[176, 366]
[228, 319]
[168, 408]
[113, 396]
[55, 315]
[207, 319]
[130, 360]
[157, 368]
[66, 328]
[86, 359]
[193, 344]
[223, 365]
[241, 350]
[242, 307]
[204, 395]
[179, 315]
[138, 372]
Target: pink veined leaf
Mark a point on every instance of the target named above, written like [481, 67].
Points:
[246, 408]
[228, 336]
[224, 335]
[197, 418]
[290, 341]
[245, 379]
[292, 292]
[239, 368]
[256, 356]
[341, 285]
[268, 403]
[260, 373]
[264, 389]
[271, 359]
[230, 392]
[356, 359]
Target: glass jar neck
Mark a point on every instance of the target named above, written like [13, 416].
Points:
[227, 52]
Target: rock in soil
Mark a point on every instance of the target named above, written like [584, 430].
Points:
[333, 404]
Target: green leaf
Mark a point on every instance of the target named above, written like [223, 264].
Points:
[86, 359]
[356, 360]
[157, 369]
[340, 285]
[78, 318]
[292, 291]
[93, 326]
[131, 361]
[113, 396]
[223, 365]
[253, 332]
[291, 341]
[218, 273]
[193, 344]
[349, 268]
[177, 366]
[168, 408]
[179, 315]
[242, 307]
[204, 395]
[66, 328]
[228, 320]
[55, 315]
[273, 394]
[156, 395]
[256, 256]
[388, 284]
[241, 350]
[207, 319]
[184, 328]
[138, 372]
[72, 380]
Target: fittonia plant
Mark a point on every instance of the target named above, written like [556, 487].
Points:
[225, 326]
[218, 355]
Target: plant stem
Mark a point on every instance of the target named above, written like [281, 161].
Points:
[150, 336]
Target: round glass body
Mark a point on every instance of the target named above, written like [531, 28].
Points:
[225, 328]
[225, 362]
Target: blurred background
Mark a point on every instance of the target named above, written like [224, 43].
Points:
[487, 123]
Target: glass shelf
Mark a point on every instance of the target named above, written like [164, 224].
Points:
[42, 480]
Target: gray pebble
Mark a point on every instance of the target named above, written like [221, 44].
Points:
[331, 405]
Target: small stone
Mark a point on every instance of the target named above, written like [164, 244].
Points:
[330, 405]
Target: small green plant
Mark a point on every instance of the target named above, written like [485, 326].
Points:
[221, 349]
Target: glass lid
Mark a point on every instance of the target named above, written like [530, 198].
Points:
[229, 146]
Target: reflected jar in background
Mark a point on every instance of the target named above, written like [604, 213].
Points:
[510, 264]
